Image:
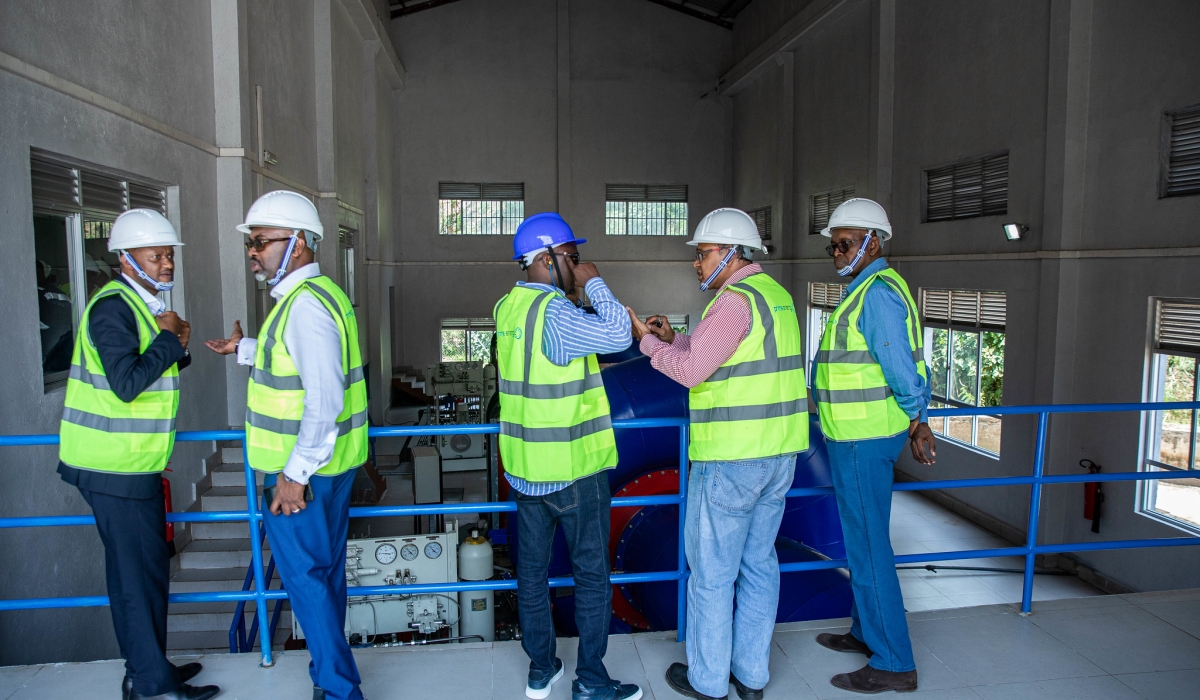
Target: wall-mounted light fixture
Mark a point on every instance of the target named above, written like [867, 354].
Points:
[1013, 232]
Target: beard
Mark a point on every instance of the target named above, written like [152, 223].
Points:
[261, 276]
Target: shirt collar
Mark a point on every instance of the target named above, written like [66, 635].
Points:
[540, 287]
[741, 274]
[152, 302]
[294, 278]
[878, 265]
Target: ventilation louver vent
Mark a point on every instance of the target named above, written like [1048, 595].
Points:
[969, 188]
[964, 308]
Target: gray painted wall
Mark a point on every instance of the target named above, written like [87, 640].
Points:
[164, 61]
[1075, 91]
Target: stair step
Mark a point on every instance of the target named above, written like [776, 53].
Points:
[212, 579]
[223, 498]
[206, 642]
[233, 455]
[218, 554]
[218, 621]
[219, 531]
[233, 475]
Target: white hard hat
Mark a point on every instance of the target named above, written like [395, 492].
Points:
[728, 226]
[141, 228]
[860, 213]
[284, 209]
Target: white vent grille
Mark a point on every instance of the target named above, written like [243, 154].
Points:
[1177, 325]
[823, 204]
[825, 295]
[646, 193]
[491, 191]
[61, 184]
[964, 308]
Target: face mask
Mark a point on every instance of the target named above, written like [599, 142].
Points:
[160, 286]
[862, 250]
[720, 266]
[287, 255]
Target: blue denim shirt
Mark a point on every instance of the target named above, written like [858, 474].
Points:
[884, 324]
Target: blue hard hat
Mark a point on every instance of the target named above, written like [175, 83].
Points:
[544, 230]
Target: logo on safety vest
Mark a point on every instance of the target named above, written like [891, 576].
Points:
[788, 307]
[514, 334]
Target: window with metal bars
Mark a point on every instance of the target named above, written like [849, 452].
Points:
[1171, 438]
[645, 210]
[964, 347]
[74, 206]
[968, 188]
[467, 339]
[1180, 153]
[346, 261]
[762, 221]
[480, 208]
[823, 204]
[823, 298]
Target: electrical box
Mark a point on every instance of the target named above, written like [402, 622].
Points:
[408, 560]
[427, 475]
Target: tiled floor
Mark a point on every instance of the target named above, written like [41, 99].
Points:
[1141, 645]
[920, 525]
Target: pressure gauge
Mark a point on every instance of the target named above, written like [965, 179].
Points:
[433, 550]
[409, 552]
[385, 553]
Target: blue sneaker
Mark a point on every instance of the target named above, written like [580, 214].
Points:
[613, 691]
[539, 684]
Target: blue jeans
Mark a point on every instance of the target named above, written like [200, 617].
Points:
[733, 515]
[862, 481]
[310, 552]
[582, 511]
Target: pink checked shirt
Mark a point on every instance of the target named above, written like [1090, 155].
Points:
[691, 359]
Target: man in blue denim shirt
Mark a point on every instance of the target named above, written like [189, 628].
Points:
[870, 406]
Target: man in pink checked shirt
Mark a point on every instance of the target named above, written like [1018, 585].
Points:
[748, 407]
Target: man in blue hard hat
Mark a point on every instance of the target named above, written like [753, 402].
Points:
[556, 442]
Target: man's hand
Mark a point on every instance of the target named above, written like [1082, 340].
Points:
[185, 333]
[639, 329]
[661, 328]
[170, 321]
[227, 346]
[583, 272]
[289, 497]
[920, 437]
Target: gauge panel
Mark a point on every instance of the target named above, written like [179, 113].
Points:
[385, 553]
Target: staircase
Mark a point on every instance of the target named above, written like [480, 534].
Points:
[216, 559]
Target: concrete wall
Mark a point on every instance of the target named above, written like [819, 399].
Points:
[179, 83]
[1075, 90]
[564, 96]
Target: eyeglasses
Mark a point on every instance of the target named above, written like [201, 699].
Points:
[843, 246]
[260, 244]
[701, 253]
[573, 256]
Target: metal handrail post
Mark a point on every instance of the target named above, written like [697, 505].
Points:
[1035, 507]
[255, 516]
[681, 610]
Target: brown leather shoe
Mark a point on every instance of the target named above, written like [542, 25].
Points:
[844, 642]
[872, 680]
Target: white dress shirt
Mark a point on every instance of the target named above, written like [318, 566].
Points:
[314, 342]
[156, 305]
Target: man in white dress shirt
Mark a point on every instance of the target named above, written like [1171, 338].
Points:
[306, 417]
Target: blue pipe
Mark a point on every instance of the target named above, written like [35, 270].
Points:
[1035, 507]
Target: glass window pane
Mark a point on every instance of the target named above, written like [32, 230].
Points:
[1175, 427]
[988, 436]
[449, 217]
[964, 369]
[1177, 498]
[479, 348]
[938, 424]
[959, 428]
[937, 365]
[55, 311]
[454, 345]
[992, 372]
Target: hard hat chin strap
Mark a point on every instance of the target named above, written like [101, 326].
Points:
[283, 264]
[160, 286]
[720, 266]
[557, 271]
[862, 250]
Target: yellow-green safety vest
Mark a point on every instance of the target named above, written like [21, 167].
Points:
[853, 399]
[275, 399]
[755, 405]
[101, 432]
[554, 421]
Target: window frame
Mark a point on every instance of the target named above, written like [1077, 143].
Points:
[665, 196]
[482, 193]
[1165, 153]
[819, 309]
[1150, 431]
[347, 262]
[469, 326]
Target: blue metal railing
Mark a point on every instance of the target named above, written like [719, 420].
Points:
[253, 516]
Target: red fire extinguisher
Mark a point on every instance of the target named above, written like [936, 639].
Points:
[170, 526]
[1093, 496]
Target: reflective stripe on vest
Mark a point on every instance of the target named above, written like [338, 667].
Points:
[853, 398]
[101, 432]
[755, 405]
[275, 399]
[554, 421]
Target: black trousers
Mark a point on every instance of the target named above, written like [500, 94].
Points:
[138, 571]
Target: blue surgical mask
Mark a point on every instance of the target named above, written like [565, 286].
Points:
[160, 286]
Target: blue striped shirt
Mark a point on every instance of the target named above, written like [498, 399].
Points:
[571, 333]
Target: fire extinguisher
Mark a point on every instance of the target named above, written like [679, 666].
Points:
[170, 525]
[1093, 496]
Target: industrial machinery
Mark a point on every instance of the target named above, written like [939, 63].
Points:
[461, 391]
[644, 539]
[478, 608]
[402, 561]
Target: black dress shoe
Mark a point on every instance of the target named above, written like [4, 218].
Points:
[847, 643]
[318, 693]
[186, 673]
[183, 692]
[678, 680]
[871, 680]
[744, 691]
